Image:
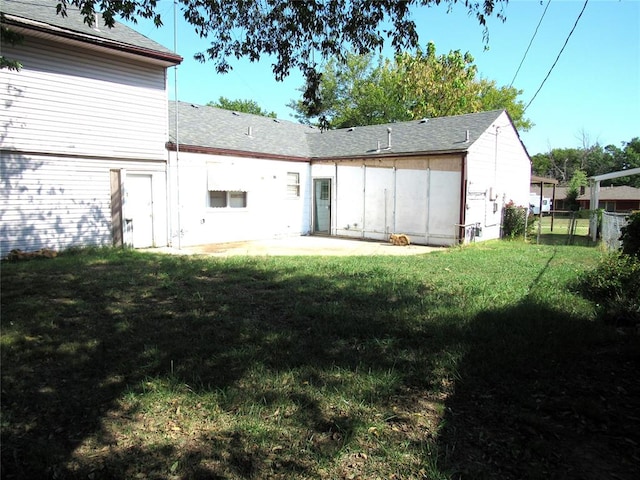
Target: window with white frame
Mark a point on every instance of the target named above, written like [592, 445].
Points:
[227, 199]
[293, 184]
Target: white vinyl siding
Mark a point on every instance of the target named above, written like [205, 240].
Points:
[57, 202]
[498, 171]
[250, 202]
[82, 104]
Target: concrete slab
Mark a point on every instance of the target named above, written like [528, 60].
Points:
[304, 245]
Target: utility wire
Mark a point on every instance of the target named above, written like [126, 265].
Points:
[558, 57]
[527, 51]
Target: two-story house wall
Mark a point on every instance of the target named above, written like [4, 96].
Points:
[83, 127]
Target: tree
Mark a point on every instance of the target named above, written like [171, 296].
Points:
[294, 33]
[360, 91]
[245, 106]
[578, 180]
[624, 158]
[12, 38]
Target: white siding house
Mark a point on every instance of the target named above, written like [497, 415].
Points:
[441, 181]
[84, 126]
[91, 155]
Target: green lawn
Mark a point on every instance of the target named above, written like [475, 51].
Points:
[474, 362]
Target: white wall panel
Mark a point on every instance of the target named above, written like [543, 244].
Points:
[444, 207]
[378, 200]
[270, 211]
[412, 189]
[82, 104]
[57, 202]
[349, 205]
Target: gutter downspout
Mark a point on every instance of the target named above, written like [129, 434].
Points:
[175, 89]
[463, 199]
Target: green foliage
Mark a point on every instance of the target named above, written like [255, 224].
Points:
[615, 285]
[631, 236]
[8, 36]
[363, 91]
[578, 180]
[515, 220]
[292, 33]
[244, 106]
[562, 163]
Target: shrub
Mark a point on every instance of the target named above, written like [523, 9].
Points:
[514, 221]
[631, 236]
[615, 285]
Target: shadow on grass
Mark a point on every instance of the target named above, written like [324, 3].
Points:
[168, 367]
[543, 395]
[563, 239]
[85, 339]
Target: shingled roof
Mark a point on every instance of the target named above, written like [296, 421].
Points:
[214, 128]
[40, 16]
[217, 129]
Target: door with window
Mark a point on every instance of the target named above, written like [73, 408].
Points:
[322, 205]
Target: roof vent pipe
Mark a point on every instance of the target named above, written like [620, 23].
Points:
[466, 137]
[249, 131]
[388, 138]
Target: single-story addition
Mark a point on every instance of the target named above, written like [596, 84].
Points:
[440, 181]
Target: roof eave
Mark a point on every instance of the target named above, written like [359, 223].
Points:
[171, 146]
[371, 155]
[26, 26]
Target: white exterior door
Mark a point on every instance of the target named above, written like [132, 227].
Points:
[322, 205]
[139, 210]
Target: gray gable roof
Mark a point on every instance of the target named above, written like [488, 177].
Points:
[443, 134]
[209, 127]
[41, 15]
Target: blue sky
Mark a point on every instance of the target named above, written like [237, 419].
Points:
[592, 95]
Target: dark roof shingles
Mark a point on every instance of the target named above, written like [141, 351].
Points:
[44, 12]
[216, 128]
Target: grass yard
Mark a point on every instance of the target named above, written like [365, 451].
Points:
[563, 225]
[469, 363]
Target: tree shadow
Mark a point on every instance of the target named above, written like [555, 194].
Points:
[542, 394]
[92, 332]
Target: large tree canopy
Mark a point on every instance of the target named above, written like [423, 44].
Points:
[360, 91]
[298, 34]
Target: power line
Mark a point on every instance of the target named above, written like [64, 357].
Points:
[558, 57]
[527, 51]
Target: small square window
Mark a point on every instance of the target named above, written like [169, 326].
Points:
[217, 199]
[237, 199]
[293, 184]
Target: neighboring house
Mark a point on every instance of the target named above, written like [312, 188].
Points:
[611, 198]
[440, 181]
[83, 132]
